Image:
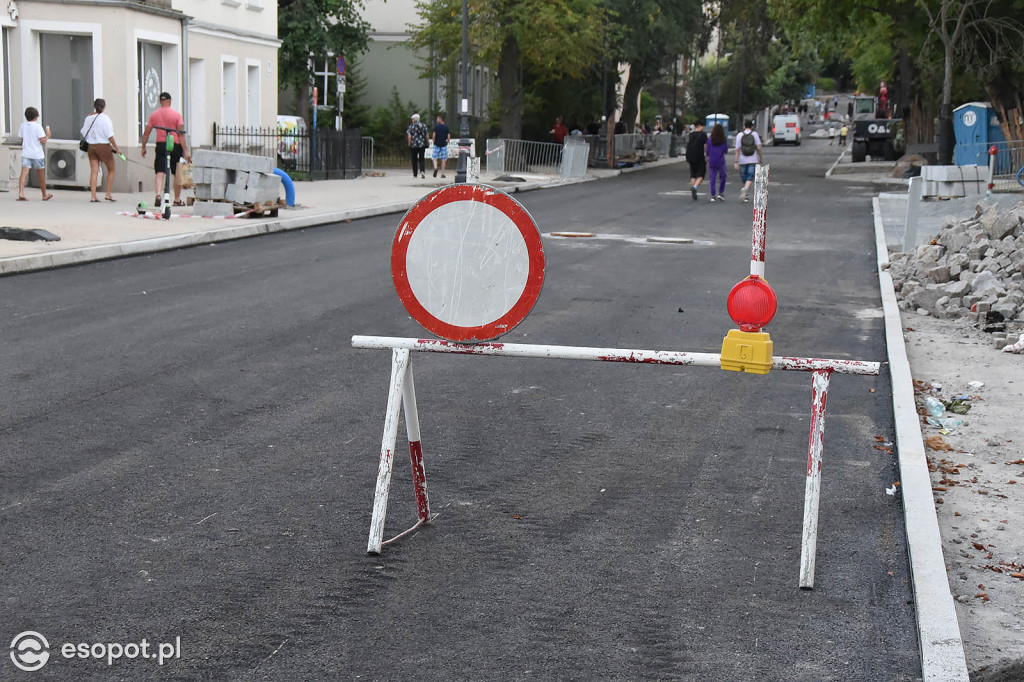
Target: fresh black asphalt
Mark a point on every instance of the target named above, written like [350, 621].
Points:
[188, 448]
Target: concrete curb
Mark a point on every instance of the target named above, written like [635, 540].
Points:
[938, 632]
[236, 229]
[828, 173]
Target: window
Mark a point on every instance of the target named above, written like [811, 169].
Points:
[67, 91]
[6, 121]
[151, 81]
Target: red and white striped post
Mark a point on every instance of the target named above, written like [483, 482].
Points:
[812, 489]
[760, 224]
[402, 390]
[992, 151]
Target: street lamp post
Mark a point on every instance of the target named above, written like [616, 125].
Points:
[460, 169]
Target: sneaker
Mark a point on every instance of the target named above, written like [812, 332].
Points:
[443, 175]
[713, 199]
[693, 191]
[721, 197]
[423, 175]
[156, 202]
[746, 200]
[435, 172]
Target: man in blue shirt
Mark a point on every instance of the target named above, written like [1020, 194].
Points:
[441, 135]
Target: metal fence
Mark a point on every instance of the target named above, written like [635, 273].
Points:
[1008, 163]
[541, 158]
[323, 154]
[628, 148]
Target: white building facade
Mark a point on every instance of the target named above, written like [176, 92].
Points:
[217, 59]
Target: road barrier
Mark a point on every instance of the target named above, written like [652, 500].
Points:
[747, 349]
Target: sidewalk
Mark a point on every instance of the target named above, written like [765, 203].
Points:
[90, 232]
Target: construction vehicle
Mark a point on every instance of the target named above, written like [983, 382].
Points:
[872, 136]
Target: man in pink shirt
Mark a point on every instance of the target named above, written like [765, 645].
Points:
[166, 117]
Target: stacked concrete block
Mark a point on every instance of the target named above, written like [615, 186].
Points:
[237, 178]
[973, 269]
[953, 181]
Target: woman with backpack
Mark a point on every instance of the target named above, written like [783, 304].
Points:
[718, 147]
[695, 156]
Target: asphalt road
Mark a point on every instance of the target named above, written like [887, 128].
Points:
[188, 448]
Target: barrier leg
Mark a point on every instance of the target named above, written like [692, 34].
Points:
[412, 427]
[812, 490]
[399, 365]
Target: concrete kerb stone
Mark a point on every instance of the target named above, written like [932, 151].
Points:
[938, 631]
[58, 259]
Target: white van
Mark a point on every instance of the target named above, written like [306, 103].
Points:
[786, 128]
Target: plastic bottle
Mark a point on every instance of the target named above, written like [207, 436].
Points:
[934, 406]
[950, 423]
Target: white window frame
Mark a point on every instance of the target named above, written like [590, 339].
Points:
[32, 78]
[170, 64]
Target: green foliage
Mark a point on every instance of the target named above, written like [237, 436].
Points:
[826, 84]
[357, 113]
[649, 108]
[317, 27]
[387, 125]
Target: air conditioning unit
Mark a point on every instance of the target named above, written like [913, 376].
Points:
[66, 164]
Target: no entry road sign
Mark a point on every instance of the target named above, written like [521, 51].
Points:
[468, 263]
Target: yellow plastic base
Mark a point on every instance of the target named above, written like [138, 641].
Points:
[749, 352]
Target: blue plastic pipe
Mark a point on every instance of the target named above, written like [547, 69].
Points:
[289, 187]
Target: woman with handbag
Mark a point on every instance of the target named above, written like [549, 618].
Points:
[98, 140]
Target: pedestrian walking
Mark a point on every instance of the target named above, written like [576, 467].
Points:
[441, 136]
[33, 138]
[98, 132]
[695, 149]
[166, 117]
[831, 134]
[416, 134]
[559, 132]
[843, 132]
[748, 155]
[718, 147]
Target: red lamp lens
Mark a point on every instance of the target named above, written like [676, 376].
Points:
[752, 304]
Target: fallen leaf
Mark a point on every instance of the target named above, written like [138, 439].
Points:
[982, 596]
[978, 545]
[871, 390]
[994, 568]
[936, 443]
[1019, 576]
[939, 489]
[880, 439]
[910, 329]
[1012, 482]
[516, 516]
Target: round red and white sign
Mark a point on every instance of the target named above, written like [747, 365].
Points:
[468, 263]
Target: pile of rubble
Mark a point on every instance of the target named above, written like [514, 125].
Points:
[973, 269]
[235, 178]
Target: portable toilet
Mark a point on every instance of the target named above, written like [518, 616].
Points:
[976, 128]
[711, 119]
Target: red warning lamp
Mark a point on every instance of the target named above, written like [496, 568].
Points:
[752, 304]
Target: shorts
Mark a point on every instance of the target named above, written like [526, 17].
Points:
[747, 171]
[160, 158]
[440, 152]
[38, 164]
[698, 169]
[102, 152]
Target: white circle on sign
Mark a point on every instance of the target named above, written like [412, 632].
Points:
[467, 263]
[970, 118]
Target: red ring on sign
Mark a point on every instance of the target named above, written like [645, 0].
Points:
[534, 249]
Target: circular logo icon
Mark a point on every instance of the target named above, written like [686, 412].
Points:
[30, 651]
[970, 118]
[151, 88]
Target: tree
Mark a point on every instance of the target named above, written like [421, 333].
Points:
[316, 27]
[650, 35]
[969, 30]
[551, 39]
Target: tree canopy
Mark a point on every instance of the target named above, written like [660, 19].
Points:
[317, 27]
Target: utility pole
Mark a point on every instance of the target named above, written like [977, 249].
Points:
[460, 169]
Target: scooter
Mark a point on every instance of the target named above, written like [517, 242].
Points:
[169, 147]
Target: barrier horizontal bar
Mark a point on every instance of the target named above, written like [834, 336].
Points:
[651, 357]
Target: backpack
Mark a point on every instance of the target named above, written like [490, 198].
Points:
[748, 147]
[695, 147]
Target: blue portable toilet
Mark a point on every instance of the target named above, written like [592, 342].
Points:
[976, 128]
[711, 119]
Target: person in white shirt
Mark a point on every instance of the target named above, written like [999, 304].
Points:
[33, 137]
[98, 131]
[748, 155]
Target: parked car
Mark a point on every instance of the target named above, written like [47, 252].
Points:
[786, 128]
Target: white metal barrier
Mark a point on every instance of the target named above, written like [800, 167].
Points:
[402, 391]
